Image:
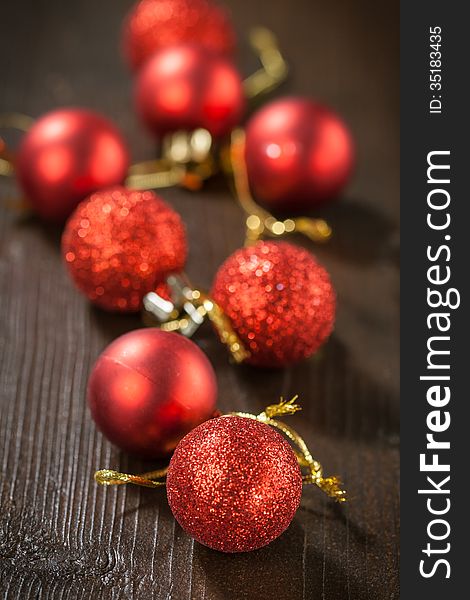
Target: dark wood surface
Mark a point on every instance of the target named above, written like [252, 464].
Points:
[61, 536]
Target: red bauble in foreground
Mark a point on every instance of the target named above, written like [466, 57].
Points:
[298, 154]
[279, 299]
[187, 87]
[234, 484]
[148, 389]
[120, 244]
[66, 155]
[154, 24]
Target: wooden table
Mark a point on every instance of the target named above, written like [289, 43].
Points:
[61, 536]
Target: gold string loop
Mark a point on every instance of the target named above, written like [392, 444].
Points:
[330, 485]
[312, 470]
[259, 221]
[187, 311]
[274, 69]
[150, 479]
[186, 161]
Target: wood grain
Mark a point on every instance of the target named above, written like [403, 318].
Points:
[62, 537]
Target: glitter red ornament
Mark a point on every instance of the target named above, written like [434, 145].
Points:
[154, 24]
[298, 154]
[66, 155]
[120, 244]
[148, 389]
[279, 300]
[234, 484]
[187, 87]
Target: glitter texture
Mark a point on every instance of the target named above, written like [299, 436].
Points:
[234, 484]
[120, 244]
[154, 24]
[280, 301]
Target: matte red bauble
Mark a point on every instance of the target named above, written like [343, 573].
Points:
[119, 244]
[148, 389]
[154, 24]
[187, 87]
[279, 300]
[234, 484]
[298, 154]
[65, 156]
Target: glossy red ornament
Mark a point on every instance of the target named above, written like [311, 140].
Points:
[187, 87]
[66, 155]
[279, 299]
[234, 484]
[148, 389]
[298, 154]
[120, 244]
[154, 24]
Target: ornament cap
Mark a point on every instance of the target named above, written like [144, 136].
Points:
[188, 310]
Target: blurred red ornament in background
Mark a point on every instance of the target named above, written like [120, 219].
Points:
[66, 155]
[148, 389]
[187, 87]
[154, 24]
[279, 299]
[120, 244]
[234, 484]
[298, 154]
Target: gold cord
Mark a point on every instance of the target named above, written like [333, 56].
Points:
[273, 69]
[186, 312]
[186, 161]
[109, 477]
[331, 486]
[206, 306]
[259, 221]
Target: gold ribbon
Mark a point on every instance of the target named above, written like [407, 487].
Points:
[312, 470]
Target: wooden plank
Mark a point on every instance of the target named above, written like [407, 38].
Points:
[62, 537]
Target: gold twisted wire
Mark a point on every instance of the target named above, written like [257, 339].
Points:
[331, 486]
[259, 221]
[206, 306]
[110, 477]
[274, 68]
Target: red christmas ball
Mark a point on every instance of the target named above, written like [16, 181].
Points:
[119, 244]
[66, 155]
[186, 87]
[148, 389]
[154, 24]
[298, 154]
[279, 299]
[234, 484]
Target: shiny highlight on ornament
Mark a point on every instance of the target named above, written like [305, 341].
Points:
[66, 155]
[298, 154]
[260, 222]
[120, 244]
[187, 87]
[148, 389]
